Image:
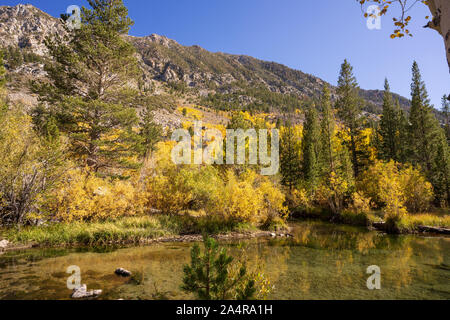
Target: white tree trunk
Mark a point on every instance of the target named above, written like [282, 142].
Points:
[440, 9]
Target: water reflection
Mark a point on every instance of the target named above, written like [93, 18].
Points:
[321, 262]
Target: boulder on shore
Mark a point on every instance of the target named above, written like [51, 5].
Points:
[123, 273]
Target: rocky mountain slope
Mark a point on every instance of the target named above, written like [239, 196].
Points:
[218, 79]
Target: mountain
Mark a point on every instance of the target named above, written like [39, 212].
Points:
[217, 80]
[26, 27]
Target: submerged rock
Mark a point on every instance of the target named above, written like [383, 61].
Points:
[123, 273]
[83, 293]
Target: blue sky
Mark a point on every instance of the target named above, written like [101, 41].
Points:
[312, 36]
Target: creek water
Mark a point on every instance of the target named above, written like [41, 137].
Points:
[322, 261]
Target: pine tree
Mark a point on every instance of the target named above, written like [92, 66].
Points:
[14, 57]
[349, 109]
[445, 111]
[328, 132]
[440, 177]
[88, 74]
[150, 132]
[336, 167]
[389, 126]
[209, 278]
[403, 134]
[424, 128]
[311, 148]
[428, 144]
[290, 162]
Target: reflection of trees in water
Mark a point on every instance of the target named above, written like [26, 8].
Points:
[261, 257]
[320, 262]
[338, 259]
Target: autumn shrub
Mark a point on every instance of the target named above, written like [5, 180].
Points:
[240, 200]
[360, 204]
[173, 189]
[169, 195]
[246, 198]
[252, 198]
[30, 167]
[83, 196]
[395, 188]
[298, 199]
[332, 194]
[274, 213]
[417, 190]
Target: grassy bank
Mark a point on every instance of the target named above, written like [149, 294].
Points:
[134, 230]
[125, 230]
[409, 223]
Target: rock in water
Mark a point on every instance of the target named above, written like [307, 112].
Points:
[83, 293]
[123, 273]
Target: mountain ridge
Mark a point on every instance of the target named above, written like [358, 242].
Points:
[216, 78]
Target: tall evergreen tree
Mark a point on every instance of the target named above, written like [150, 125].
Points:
[336, 167]
[445, 111]
[311, 148]
[424, 128]
[290, 162]
[428, 144]
[89, 72]
[388, 126]
[150, 132]
[440, 177]
[349, 109]
[328, 131]
[403, 134]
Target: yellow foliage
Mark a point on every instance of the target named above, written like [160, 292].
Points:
[417, 190]
[191, 113]
[298, 198]
[360, 204]
[84, 196]
[396, 189]
[174, 189]
[168, 195]
[240, 200]
[29, 167]
[334, 192]
[252, 199]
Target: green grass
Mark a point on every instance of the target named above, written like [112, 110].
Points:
[407, 224]
[125, 230]
[411, 222]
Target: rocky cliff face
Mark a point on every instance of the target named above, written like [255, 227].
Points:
[26, 27]
[165, 60]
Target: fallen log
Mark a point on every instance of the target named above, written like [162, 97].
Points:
[437, 230]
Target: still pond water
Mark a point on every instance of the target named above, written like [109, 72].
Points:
[322, 262]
